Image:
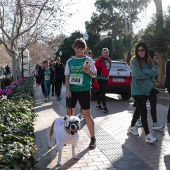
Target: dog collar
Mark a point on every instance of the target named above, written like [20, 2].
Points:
[72, 133]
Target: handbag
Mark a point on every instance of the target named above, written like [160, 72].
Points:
[155, 91]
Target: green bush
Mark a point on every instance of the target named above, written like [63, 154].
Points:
[6, 81]
[16, 129]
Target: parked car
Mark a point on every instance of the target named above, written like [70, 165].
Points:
[119, 82]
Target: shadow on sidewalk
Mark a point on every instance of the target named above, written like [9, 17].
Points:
[72, 161]
[42, 154]
[167, 162]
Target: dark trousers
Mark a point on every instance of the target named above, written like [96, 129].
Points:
[42, 88]
[103, 86]
[37, 79]
[168, 116]
[58, 87]
[153, 102]
[141, 109]
[53, 88]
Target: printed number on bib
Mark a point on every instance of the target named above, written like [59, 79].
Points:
[47, 77]
[76, 79]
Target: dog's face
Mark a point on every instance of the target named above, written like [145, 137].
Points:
[72, 123]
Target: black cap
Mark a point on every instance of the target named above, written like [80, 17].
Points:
[151, 53]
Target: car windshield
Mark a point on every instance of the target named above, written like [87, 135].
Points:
[121, 69]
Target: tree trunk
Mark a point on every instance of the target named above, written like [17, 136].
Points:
[14, 75]
[158, 4]
[160, 55]
[161, 70]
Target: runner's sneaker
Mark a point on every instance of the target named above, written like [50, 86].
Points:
[92, 144]
[98, 106]
[133, 130]
[138, 123]
[157, 126]
[150, 139]
[105, 110]
[48, 97]
[45, 100]
[59, 98]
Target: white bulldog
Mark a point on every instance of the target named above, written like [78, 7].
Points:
[65, 131]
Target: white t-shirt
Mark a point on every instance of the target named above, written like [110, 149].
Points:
[62, 136]
[93, 68]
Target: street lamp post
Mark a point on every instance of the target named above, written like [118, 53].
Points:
[86, 36]
[60, 53]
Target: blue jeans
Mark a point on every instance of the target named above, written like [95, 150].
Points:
[47, 90]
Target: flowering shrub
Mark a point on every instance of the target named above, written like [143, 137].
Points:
[9, 89]
[17, 127]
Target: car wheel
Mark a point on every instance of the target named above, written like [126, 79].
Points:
[93, 96]
[126, 96]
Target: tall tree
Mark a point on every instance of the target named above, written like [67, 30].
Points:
[66, 46]
[157, 36]
[28, 21]
[160, 51]
[115, 16]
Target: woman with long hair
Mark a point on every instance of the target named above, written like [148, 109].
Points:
[143, 73]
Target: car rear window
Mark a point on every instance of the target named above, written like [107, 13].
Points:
[120, 69]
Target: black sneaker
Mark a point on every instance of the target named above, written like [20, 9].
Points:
[92, 144]
[59, 98]
[98, 106]
[105, 110]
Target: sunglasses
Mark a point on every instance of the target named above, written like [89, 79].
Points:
[142, 50]
[89, 52]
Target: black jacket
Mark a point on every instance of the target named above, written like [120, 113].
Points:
[59, 71]
[167, 72]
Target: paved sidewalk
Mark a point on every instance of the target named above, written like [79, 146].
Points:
[116, 150]
[47, 159]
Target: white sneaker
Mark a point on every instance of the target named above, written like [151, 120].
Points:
[157, 126]
[139, 123]
[133, 130]
[150, 139]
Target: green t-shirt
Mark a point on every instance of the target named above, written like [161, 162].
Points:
[47, 74]
[79, 80]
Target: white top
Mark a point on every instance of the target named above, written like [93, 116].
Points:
[92, 66]
[62, 136]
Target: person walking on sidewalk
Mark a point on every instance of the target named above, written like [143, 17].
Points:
[153, 99]
[42, 84]
[88, 53]
[53, 83]
[59, 73]
[46, 77]
[7, 70]
[143, 72]
[37, 72]
[103, 65]
[79, 72]
[167, 85]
